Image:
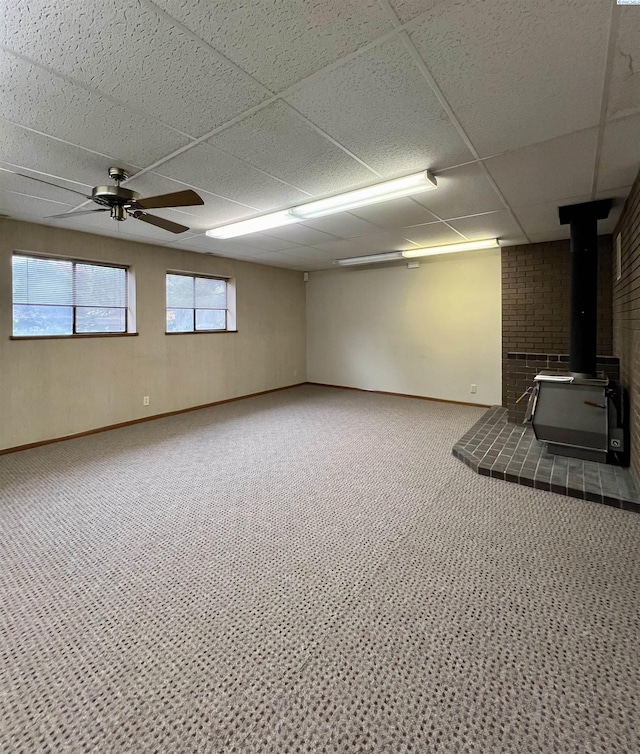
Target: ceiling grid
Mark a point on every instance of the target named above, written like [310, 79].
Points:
[289, 64]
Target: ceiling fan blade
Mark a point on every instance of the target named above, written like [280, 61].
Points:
[160, 222]
[186, 198]
[55, 185]
[75, 214]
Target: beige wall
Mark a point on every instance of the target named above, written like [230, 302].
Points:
[430, 331]
[53, 388]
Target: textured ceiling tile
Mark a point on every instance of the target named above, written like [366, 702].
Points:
[517, 72]
[461, 191]
[55, 159]
[406, 10]
[385, 241]
[52, 105]
[620, 156]
[262, 242]
[341, 249]
[494, 225]
[278, 141]
[300, 234]
[280, 43]
[560, 167]
[550, 235]
[129, 52]
[432, 235]
[213, 170]
[624, 89]
[23, 207]
[380, 107]
[395, 213]
[543, 217]
[27, 187]
[342, 225]
[214, 211]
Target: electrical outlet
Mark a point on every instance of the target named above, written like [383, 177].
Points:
[474, 388]
[145, 400]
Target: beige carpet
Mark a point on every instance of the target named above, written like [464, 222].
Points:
[309, 571]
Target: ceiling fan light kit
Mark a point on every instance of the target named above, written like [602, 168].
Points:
[380, 192]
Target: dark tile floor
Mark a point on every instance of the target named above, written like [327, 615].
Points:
[494, 447]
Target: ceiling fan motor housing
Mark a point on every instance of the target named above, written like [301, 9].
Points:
[114, 196]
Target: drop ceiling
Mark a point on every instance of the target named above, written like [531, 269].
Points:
[516, 106]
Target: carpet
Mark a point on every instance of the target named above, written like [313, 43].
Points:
[309, 571]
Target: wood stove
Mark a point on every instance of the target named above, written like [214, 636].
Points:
[580, 413]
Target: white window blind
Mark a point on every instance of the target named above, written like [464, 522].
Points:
[65, 297]
[196, 304]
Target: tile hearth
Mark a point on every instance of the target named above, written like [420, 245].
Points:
[497, 448]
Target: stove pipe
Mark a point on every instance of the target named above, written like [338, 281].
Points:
[583, 221]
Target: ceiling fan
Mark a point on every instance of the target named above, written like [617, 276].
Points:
[122, 202]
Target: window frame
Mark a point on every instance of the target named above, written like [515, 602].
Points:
[228, 310]
[129, 318]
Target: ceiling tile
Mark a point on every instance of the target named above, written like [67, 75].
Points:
[342, 225]
[131, 53]
[278, 141]
[432, 235]
[300, 234]
[543, 217]
[461, 191]
[308, 254]
[385, 241]
[517, 72]
[379, 106]
[263, 242]
[550, 235]
[620, 156]
[341, 249]
[395, 213]
[53, 105]
[624, 88]
[22, 207]
[281, 43]
[557, 168]
[406, 10]
[494, 225]
[27, 187]
[213, 170]
[51, 158]
[214, 211]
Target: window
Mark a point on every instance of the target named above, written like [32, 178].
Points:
[58, 297]
[196, 304]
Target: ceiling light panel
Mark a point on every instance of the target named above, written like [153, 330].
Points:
[380, 192]
[254, 225]
[452, 248]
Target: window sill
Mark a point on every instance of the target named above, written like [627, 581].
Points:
[77, 336]
[202, 332]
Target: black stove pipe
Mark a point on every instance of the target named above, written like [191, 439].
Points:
[583, 221]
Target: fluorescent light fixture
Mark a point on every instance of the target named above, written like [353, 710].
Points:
[254, 224]
[387, 256]
[381, 192]
[489, 243]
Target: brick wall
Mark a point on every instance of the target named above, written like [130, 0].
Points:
[626, 316]
[535, 306]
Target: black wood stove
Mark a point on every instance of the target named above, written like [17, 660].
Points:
[580, 413]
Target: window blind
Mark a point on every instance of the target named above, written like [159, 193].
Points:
[64, 283]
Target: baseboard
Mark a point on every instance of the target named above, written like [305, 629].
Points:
[17, 448]
[403, 395]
